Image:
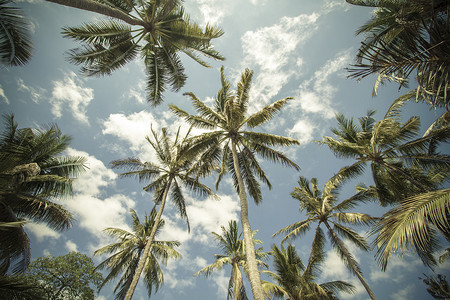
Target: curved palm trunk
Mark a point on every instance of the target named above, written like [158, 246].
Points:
[253, 273]
[352, 265]
[146, 252]
[102, 9]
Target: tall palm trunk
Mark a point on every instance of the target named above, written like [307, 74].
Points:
[253, 273]
[102, 9]
[352, 265]
[146, 252]
[238, 284]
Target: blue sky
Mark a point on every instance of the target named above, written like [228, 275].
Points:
[295, 48]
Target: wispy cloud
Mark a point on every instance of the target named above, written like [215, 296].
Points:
[36, 93]
[3, 95]
[42, 231]
[315, 95]
[71, 93]
[272, 52]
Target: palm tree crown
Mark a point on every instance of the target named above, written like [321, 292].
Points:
[233, 249]
[179, 163]
[322, 208]
[402, 163]
[296, 281]
[16, 43]
[403, 37]
[162, 31]
[33, 173]
[128, 250]
[235, 147]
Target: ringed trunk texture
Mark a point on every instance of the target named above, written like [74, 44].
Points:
[146, 252]
[253, 273]
[355, 269]
[102, 9]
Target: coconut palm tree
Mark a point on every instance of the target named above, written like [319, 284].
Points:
[295, 281]
[231, 140]
[16, 43]
[158, 31]
[322, 207]
[232, 246]
[33, 174]
[402, 163]
[178, 164]
[128, 251]
[407, 171]
[406, 36]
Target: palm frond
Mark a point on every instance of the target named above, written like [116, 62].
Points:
[407, 226]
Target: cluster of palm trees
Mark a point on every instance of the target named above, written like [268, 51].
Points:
[408, 171]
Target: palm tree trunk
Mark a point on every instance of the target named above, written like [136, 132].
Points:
[102, 9]
[253, 273]
[352, 265]
[146, 252]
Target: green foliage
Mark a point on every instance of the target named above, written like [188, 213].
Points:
[322, 208]
[71, 276]
[404, 37]
[16, 43]
[33, 174]
[163, 32]
[233, 253]
[296, 281]
[437, 286]
[403, 164]
[127, 252]
[228, 122]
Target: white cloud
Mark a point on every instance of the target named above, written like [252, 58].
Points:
[71, 246]
[96, 214]
[3, 95]
[42, 231]
[71, 92]
[97, 175]
[303, 131]
[213, 11]
[403, 294]
[35, 93]
[92, 211]
[133, 129]
[315, 95]
[398, 265]
[205, 216]
[273, 52]
[336, 270]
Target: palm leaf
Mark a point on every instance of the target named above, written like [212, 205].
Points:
[408, 225]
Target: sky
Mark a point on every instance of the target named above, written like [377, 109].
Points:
[296, 49]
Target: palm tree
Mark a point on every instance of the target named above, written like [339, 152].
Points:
[33, 173]
[322, 207]
[128, 252]
[157, 30]
[237, 147]
[232, 245]
[178, 164]
[402, 164]
[295, 281]
[403, 37]
[407, 171]
[15, 35]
